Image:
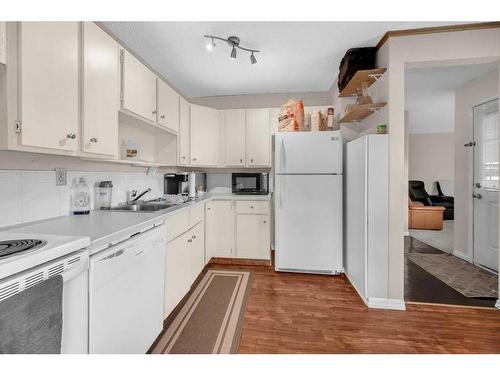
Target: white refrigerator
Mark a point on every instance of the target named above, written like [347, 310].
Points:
[308, 202]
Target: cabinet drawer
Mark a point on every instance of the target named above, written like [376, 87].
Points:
[196, 214]
[252, 207]
[177, 224]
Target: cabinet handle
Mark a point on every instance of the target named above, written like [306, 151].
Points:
[71, 136]
[183, 157]
[154, 112]
[208, 208]
[162, 116]
[241, 160]
[190, 240]
[94, 139]
[194, 237]
[251, 160]
[194, 159]
[251, 207]
[265, 221]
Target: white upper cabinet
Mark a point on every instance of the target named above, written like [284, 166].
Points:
[101, 90]
[184, 115]
[49, 88]
[138, 88]
[258, 138]
[234, 120]
[168, 106]
[204, 135]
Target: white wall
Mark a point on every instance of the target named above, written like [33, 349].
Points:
[262, 100]
[33, 195]
[472, 93]
[431, 158]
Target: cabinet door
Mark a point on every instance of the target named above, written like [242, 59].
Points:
[235, 137]
[168, 106]
[204, 135]
[253, 237]
[138, 88]
[3, 42]
[184, 114]
[196, 250]
[258, 138]
[49, 84]
[177, 271]
[220, 229]
[101, 90]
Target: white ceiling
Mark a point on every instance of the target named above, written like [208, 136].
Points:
[430, 95]
[294, 57]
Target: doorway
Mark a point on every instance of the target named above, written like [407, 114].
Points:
[451, 248]
[485, 184]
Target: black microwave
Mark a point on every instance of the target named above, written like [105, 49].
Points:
[250, 183]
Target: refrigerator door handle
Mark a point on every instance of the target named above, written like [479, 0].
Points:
[283, 156]
[282, 182]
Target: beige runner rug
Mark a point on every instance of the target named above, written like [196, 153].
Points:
[210, 321]
[466, 278]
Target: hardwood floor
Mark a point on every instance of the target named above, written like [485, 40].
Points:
[298, 313]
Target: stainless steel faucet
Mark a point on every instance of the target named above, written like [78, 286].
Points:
[135, 197]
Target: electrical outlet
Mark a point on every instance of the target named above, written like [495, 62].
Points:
[60, 177]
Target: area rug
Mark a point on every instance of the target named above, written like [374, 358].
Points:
[464, 277]
[210, 321]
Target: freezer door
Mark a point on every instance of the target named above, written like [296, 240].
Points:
[309, 223]
[308, 152]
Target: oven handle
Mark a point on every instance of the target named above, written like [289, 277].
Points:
[71, 273]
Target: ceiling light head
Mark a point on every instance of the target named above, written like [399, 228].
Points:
[253, 60]
[211, 44]
[233, 53]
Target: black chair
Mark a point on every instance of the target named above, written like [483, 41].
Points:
[418, 194]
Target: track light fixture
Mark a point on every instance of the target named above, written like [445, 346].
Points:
[234, 42]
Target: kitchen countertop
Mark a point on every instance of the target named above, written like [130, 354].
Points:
[108, 227]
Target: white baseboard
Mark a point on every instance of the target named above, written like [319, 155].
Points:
[497, 305]
[462, 255]
[386, 303]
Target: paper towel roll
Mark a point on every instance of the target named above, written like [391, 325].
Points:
[192, 185]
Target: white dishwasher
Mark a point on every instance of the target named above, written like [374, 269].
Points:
[126, 294]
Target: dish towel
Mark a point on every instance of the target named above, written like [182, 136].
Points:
[31, 321]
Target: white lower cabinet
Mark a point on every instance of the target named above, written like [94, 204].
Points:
[185, 255]
[253, 236]
[220, 229]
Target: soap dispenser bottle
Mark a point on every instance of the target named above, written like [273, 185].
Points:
[80, 197]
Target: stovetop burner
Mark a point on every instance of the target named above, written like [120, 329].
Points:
[12, 247]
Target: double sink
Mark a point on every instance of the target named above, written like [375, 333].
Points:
[142, 207]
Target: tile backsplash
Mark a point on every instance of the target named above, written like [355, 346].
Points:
[33, 195]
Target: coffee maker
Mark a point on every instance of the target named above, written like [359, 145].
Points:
[178, 183]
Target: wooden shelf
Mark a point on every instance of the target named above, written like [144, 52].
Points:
[359, 77]
[360, 112]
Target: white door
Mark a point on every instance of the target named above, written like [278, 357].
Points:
[184, 114]
[138, 88]
[252, 236]
[486, 183]
[49, 84]
[308, 223]
[101, 91]
[258, 138]
[308, 152]
[204, 135]
[168, 106]
[220, 229]
[235, 137]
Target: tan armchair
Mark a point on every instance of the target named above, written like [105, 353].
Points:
[424, 217]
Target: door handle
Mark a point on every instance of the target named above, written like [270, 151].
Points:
[477, 196]
[478, 185]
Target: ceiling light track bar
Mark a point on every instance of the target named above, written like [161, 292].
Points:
[232, 41]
